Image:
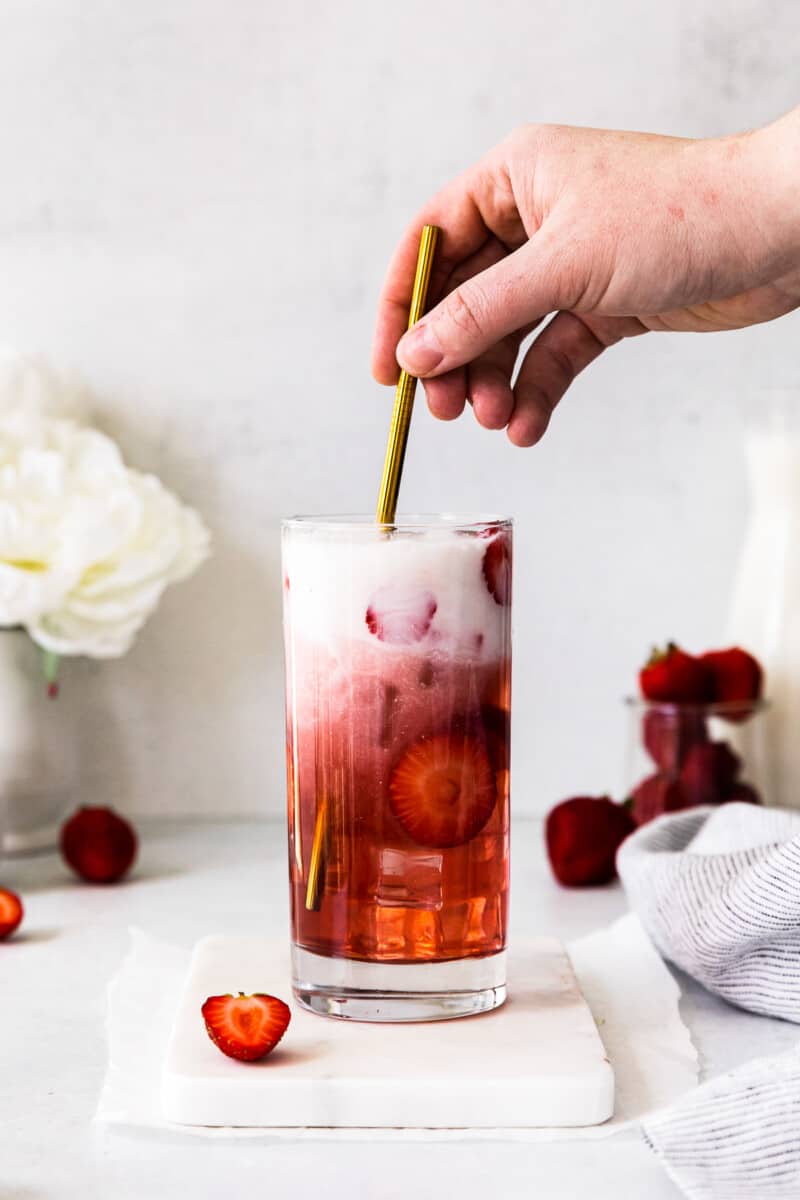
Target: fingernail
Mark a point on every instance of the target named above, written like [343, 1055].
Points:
[418, 351]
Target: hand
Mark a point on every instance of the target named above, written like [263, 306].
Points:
[617, 233]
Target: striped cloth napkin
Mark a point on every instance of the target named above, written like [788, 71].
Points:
[718, 890]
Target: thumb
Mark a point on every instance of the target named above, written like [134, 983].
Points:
[521, 288]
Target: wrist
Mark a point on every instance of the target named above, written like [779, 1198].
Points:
[771, 185]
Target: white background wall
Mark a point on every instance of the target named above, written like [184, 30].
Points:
[197, 202]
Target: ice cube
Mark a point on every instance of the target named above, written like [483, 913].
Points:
[410, 879]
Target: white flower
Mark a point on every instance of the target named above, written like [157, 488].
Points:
[87, 545]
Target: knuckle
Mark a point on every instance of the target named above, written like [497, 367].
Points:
[465, 309]
[525, 133]
[540, 139]
[539, 401]
[562, 364]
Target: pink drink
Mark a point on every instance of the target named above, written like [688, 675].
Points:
[398, 708]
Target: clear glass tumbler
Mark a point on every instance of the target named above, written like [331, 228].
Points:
[398, 689]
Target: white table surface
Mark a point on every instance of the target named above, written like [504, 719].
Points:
[193, 879]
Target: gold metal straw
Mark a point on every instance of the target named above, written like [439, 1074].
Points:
[406, 386]
[387, 507]
[316, 866]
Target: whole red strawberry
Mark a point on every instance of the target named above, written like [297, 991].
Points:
[709, 772]
[735, 675]
[583, 835]
[98, 844]
[246, 1027]
[674, 676]
[11, 912]
[669, 731]
[743, 793]
[654, 796]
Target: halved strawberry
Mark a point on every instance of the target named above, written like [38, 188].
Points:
[443, 790]
[11, 912]
[497, 568]
[400, 615]
[246, 1027]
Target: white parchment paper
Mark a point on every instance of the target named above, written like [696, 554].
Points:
[631, 993]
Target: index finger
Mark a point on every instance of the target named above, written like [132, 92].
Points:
[463, 231]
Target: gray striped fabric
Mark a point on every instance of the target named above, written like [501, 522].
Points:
[737, 1137]
[718, 890]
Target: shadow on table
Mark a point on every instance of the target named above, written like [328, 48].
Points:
[43, 873]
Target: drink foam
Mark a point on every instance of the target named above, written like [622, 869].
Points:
[334, 580]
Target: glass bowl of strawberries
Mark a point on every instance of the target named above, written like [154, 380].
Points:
[696, 733]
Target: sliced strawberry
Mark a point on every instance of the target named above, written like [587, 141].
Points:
[497, 568]
[443, 790]
[11, 912]
[246, 1027]
[496, 723]
[400, 615]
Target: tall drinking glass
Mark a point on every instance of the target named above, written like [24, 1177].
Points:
[398, 690]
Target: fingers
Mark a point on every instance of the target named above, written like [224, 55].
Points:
[464, 232]
[476, 206]
[486, 382]
[483, 310]
[447, 395]
[466, 347]
[490, 392]
[561, 351]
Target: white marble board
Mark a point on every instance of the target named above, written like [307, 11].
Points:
[536, 1062]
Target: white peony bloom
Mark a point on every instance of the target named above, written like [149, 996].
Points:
[87, 545]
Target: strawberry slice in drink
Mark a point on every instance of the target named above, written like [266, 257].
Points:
[496, 722]
[497, 568]
[443, 790]
[400, 615]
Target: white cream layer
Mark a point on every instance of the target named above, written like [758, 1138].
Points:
[332, 582]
